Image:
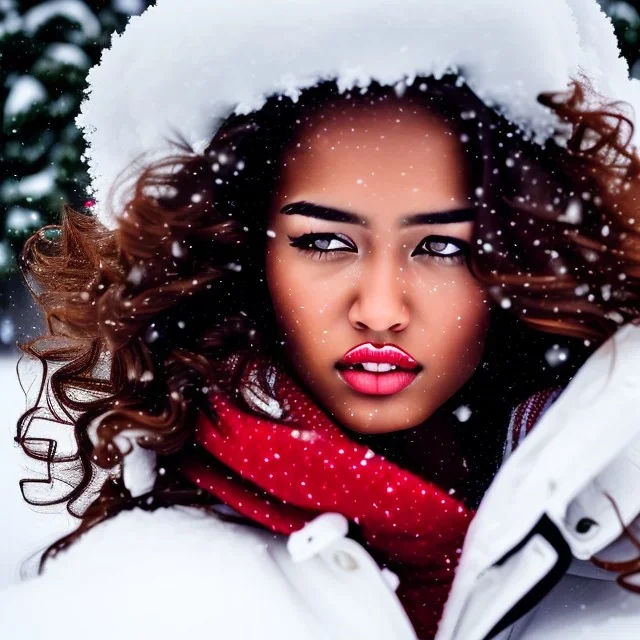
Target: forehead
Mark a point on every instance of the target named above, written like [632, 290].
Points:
[378, 127]
[392, 155]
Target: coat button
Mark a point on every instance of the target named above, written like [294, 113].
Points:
[392, 580]
[585, 525]
[345, 561]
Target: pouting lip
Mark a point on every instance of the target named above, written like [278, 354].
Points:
[379, 353]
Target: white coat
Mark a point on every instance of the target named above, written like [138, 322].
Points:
[181, 573]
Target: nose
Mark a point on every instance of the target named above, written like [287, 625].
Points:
[380, 302]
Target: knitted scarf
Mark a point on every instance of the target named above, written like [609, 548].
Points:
[282, 473]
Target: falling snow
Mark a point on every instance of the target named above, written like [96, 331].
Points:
[463, 413]
[556, 356]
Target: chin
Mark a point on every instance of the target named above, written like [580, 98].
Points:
[383, 420]
[375, 428]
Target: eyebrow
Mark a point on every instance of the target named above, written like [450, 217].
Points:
[321, 212]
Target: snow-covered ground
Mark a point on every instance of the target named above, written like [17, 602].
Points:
[23, 531]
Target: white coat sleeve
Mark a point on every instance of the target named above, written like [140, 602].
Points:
[174, 573]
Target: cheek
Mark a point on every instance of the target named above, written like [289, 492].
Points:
[281, 286]
[305, 304]
[455, 316]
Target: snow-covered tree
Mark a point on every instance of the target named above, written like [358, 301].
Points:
[625, 15]
[46, 49]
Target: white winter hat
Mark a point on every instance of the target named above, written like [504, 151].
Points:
[186, 64]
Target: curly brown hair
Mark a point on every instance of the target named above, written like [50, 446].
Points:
[143, 321]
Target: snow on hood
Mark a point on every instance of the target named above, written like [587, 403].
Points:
[184, 65]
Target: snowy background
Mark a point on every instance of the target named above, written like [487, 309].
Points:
[46, 48]
[22, 531]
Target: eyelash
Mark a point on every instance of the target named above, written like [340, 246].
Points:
[305, 244]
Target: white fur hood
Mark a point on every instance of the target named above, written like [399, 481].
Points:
[185, 64]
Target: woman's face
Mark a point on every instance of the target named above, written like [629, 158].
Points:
[366, 264]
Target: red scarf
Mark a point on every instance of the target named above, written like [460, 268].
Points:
[281, 474]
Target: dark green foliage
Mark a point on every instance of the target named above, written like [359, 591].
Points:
[626, 20]
[46, 49]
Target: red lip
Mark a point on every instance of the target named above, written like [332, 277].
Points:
[378, 384]
[381, 354]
